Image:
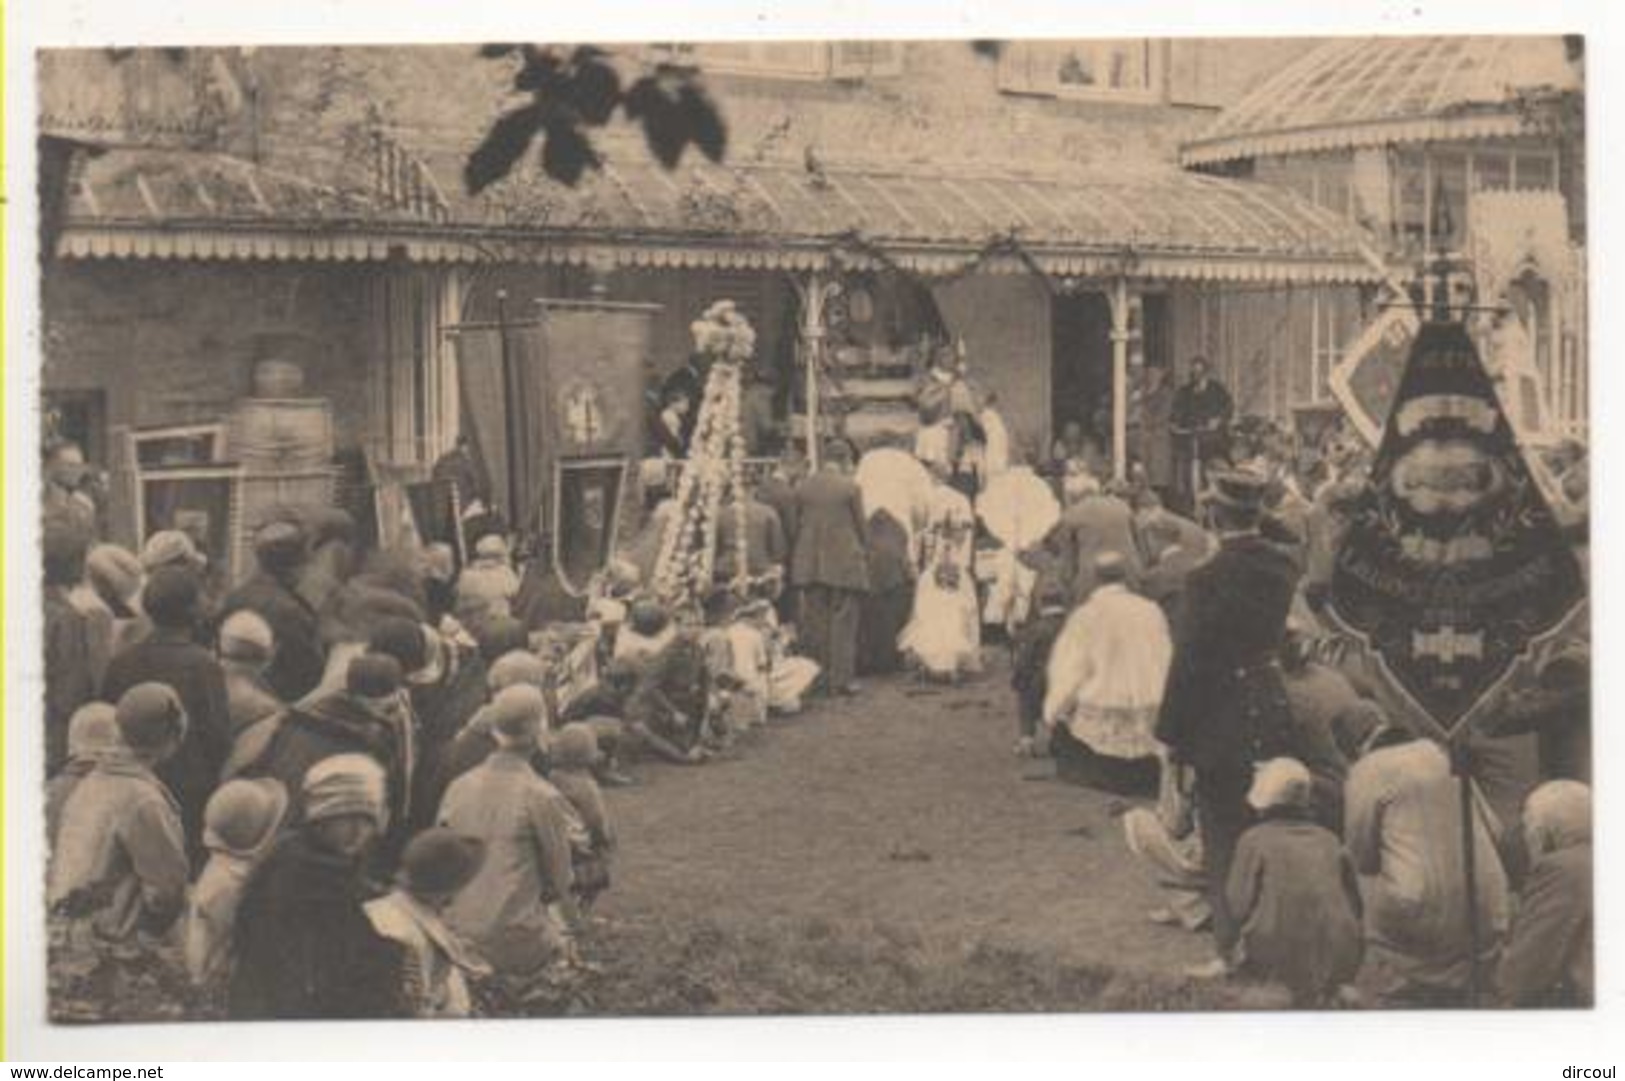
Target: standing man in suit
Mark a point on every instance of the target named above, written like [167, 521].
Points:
[1225, 706]
[1199, 418]
[830, 566]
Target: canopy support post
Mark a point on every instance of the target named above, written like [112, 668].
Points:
[814, 292]
[1121, 335]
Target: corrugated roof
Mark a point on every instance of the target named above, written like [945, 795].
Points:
[1378, 90]
[1155, 223]
[169, 186]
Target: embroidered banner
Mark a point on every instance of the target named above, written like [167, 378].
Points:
[1453, 563]
[566, 385]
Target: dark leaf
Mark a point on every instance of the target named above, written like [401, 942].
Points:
[566, 154]
[667, 129]
[503, 145]
[987, 50]
[587, 54]
[705, 124]
[641, 96]
[176, 57]
[496, 52]
[541, 72]
[595, 91]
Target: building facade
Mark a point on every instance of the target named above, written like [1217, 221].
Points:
[209, 209]
[1469, 145]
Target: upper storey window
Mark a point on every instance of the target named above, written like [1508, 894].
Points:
[1109, 69]
[788, 59]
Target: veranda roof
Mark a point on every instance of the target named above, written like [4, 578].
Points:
[1153, 223]
[1374, 91]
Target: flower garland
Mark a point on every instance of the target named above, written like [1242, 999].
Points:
[714, 469]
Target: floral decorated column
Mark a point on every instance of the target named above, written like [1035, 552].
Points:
[714, 471]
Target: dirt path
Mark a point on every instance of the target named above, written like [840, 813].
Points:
[903, 808]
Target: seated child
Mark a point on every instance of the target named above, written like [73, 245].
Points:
[668, 706]
[788, 676]
[647, 631]
[437, 964]
[240, 824]
[575, 757]
[1293, 893]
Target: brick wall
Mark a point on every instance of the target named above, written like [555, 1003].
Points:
[945, 108]
[176, 342]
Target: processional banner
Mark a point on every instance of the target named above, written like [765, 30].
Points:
[1453, 564]
[554, 404]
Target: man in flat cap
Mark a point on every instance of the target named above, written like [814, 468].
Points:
[1225, 707]
[281, 550]
[172, 599]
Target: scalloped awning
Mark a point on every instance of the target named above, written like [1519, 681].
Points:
[1154, 224]
[1376, 91]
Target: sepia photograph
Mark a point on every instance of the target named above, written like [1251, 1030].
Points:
[1021, 525]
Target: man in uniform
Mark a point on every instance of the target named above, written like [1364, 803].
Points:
[1225, 706]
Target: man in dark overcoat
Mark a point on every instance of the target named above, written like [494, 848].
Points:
[281, 549]
[830, 566]
[1225, 706]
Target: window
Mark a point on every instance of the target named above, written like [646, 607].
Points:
[1447, 224]
[865, 59]
[1194, 74]
[1114, 69]
[1491, 172]
[1535, 172]
[1335, 321]
[787, 59]
[414, 387]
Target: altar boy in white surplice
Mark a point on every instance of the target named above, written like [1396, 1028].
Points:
[944, 633]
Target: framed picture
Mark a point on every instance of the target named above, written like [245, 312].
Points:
[586, 516]
[177, 445]
[202, 501]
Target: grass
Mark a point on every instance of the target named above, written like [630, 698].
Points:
[801, 966]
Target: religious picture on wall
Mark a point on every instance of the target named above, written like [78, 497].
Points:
[200, 501]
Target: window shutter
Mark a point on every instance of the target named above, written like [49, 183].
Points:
[1022, 69]
[1193, 75]
[866, 59]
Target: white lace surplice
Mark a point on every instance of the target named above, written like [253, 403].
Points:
[944, 633]
[1107, 670]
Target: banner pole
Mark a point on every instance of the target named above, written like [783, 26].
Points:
[1461, 760]
[509, 427]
